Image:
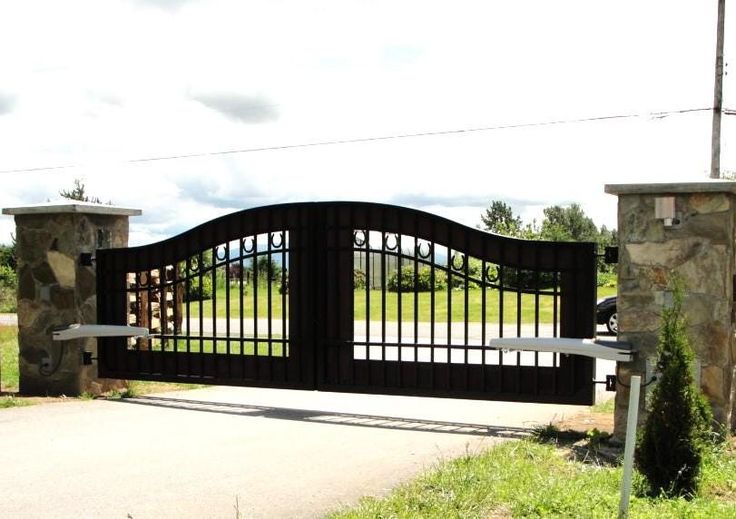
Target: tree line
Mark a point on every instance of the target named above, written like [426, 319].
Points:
[560, 223]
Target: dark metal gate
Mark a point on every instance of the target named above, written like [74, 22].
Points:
[355, 297]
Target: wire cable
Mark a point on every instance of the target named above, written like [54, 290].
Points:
[358, 140]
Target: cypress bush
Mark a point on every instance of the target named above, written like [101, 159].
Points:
[676, 433]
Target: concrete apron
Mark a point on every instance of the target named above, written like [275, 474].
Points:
[277, 453]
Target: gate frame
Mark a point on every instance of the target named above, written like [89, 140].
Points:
[321, 241]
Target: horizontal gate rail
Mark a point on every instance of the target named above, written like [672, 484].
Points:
[350, 296]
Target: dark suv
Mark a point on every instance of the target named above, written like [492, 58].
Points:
[606, 313]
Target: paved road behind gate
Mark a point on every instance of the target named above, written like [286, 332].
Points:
[279, 453]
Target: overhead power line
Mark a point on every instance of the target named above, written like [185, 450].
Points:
[457, 131]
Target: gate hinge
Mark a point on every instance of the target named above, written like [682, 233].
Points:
[86, 259]
[610, 255]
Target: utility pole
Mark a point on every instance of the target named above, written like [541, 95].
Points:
[715, 151]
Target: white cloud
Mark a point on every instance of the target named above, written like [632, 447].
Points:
[98, 84]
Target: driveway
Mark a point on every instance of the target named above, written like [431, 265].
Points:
[276, 453]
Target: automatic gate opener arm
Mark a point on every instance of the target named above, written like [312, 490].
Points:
[77, 331]
[609, 350]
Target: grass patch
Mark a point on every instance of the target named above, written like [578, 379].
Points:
[8, 358]
[12, 401]
[264, 347]
[606, 407]
[375, 303]
[527, 479]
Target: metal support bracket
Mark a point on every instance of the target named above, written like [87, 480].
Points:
[600, 349]
[78, 331]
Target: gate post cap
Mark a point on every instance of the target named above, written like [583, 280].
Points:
[674, 188]
[72, 207]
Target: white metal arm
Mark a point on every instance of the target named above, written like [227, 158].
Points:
[77, 331]
[609, 350]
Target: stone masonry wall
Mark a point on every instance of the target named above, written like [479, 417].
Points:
[55, 290]
[701, 251]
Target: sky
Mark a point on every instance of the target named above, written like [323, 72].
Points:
[93, 90]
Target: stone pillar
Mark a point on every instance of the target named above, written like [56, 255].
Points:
[55, 290]
[697, 245]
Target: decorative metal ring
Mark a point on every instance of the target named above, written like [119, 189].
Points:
[360, 238]
[248, 249]
[217, 253]
[194, 264]
[423, 255]
[387, 237]
[487, 274]
[169, 273]
[271, 238]
[463, 261]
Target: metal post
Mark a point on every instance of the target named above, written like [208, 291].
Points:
[631, 422]
[715, 154]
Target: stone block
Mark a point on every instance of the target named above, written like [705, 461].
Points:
[26, 283]
[63, 267]
[708, 203]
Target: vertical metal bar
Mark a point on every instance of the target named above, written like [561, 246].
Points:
[466, 315]
[384, 236]
[256, 273]
[163, 314]
[177, 318]
[368, 282]
[351, 221]
[483, 314]
[432, 275]
[139, 312]
[187, 298]
[284, 310]
[227, 303]
[214, 308]
[200, 277]
[241, 297]
[520, 282]
[269, 274]
[536, 317]
[449, 299]
[555, 295]
[450, 258]
[416, 293]
[149, 313]
[400, 315]
[501, 286]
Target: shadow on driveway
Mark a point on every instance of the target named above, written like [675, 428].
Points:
[329, 417]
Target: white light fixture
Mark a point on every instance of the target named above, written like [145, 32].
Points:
[664, 209]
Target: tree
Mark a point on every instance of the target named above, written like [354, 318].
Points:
[78, 193]
[568, 224]
[268, 270]
[7, 254]
[671, 448]
[499, 219]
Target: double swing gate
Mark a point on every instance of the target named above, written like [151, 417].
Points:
[354, 297]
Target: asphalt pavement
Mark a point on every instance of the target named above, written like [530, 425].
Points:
[223, 452]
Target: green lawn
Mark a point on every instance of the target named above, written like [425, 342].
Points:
[208, 346]
[8, 358]
[376, 301]
[526, 479]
